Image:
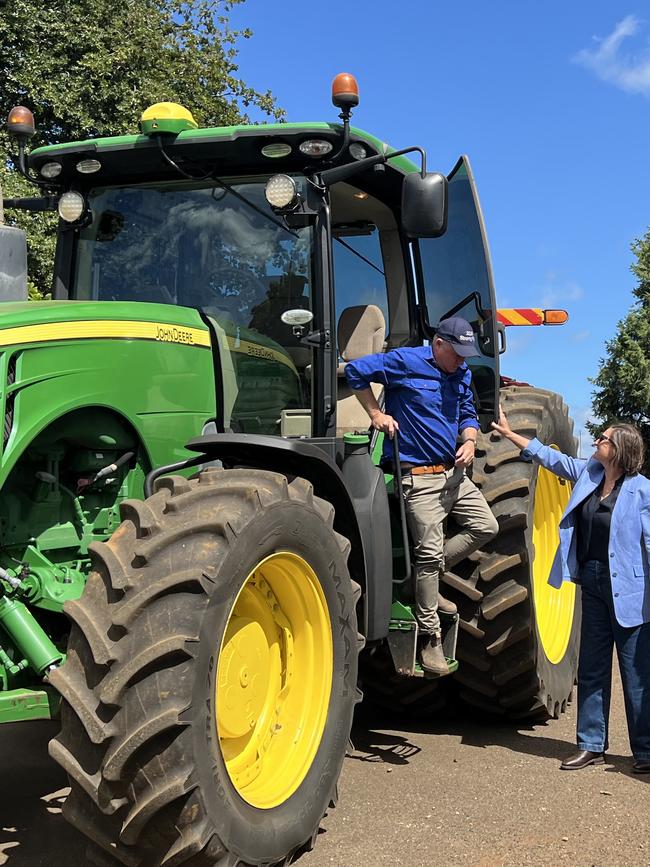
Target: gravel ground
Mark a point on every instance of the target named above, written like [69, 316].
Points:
[458, 792]
[462, 792]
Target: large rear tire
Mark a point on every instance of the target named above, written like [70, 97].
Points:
[211, 675]
[518, 639]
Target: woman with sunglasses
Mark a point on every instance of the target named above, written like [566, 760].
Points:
[604, 547]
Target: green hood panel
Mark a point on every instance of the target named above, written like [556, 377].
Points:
[19, 313]
[151, 364]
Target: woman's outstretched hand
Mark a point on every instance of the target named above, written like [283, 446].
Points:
[503, 427]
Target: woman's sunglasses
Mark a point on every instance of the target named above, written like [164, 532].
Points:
[603, 439]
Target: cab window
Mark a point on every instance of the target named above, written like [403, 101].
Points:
[457, 277]
[358, 270]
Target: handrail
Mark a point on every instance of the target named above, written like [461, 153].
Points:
[402, 511]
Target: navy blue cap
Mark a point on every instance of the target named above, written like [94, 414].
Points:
[459, 333]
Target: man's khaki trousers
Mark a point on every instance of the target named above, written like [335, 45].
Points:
[429, 499]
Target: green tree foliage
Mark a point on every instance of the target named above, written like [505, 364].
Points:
[89, 68]
[623, 383]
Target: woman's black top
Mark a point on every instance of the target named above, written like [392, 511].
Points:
[594, 523]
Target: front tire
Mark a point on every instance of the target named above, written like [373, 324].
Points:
[211, 675]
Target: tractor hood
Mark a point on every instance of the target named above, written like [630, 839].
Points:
[46, 321]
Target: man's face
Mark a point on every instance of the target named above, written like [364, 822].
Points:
[446, 356]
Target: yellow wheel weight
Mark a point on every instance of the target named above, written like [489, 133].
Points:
[554, 609]
[274, 680]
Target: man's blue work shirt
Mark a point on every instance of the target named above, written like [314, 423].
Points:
[430, 406]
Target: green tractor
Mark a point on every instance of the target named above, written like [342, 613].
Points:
[200, 560]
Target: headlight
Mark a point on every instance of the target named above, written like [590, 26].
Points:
[281, 191]
[71, 206]
[315, 147]
[51, 170]
[357, 151]
[88, 167]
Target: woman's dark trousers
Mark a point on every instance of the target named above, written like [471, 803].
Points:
[600, 632]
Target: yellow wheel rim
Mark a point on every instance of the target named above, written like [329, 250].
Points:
[274, 680]
[554, 608]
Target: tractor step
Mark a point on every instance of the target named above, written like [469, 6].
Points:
[420, 672]
[403, 642]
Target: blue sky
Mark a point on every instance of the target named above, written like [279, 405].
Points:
[552, 104]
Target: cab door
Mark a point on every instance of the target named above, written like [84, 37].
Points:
[454, 277]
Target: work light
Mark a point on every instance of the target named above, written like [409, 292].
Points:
[88, 167]
[51, 170]
[71, 206]
[357, 151]
[281, 191]
[276, 149]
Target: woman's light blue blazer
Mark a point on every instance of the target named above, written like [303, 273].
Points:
[629, 537]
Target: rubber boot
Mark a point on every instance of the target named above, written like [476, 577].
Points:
[446, 605]
[432, 658]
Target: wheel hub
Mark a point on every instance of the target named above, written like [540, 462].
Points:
[553, 608]
[274, 680]
[243, 673]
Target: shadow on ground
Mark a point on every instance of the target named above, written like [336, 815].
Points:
[393, 738]
[33, 832]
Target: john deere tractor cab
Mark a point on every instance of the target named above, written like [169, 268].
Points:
[197, 542]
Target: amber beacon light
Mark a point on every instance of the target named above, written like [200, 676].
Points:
[20, 125]
[21, 122]
[345, 91]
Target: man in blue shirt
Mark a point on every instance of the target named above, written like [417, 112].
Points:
[428, 399]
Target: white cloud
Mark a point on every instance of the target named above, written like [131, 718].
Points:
[580, 336]
[556, 294]
[612, 63]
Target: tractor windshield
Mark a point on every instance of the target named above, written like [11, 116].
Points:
[200, 245]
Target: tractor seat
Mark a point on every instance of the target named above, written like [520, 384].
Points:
[361, 331]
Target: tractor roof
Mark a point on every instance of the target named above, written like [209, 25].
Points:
[236, 148]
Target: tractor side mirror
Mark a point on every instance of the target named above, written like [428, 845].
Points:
[13, 264]
[425, 205]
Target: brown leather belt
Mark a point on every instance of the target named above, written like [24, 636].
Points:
[430, 470]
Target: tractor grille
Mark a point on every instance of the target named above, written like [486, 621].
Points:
[9, 401]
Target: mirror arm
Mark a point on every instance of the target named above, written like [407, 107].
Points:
[423, 157]
[340, 173]
[46, 203]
